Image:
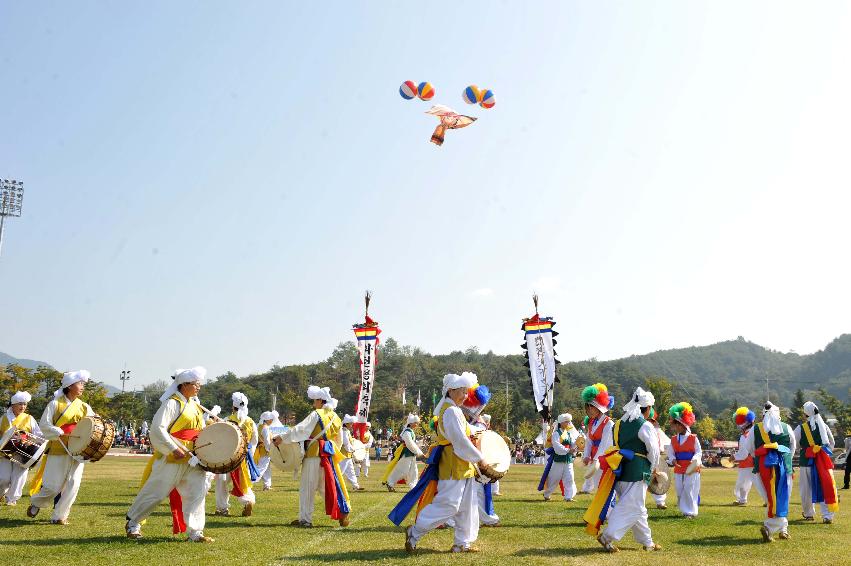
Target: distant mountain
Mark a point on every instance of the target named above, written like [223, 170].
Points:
[6, 359]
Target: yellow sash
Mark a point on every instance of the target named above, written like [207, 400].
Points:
[396, 456]
[809, 434]
[260, 451]
[333, 424]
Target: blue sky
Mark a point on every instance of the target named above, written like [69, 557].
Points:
[217, 183]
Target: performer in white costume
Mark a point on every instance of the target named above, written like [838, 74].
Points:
[485, 519]
[174, 472]
[269, 419]
[810, 434]
[686, 456]
[12, 476]
[456, 487]
[745, 479]
[239, 480]
[60, 474]
[563, 440]
[634, 454]
[347, 465]
[406, 460]
[368, 442]
[597, 403]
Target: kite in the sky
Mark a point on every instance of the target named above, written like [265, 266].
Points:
[449, 120]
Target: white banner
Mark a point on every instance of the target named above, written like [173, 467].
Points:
[368, 348]
[542, 362]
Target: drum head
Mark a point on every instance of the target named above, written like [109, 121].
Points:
[495, 451]
[80, 437]
[287, 456]
[660, 484]
[218, 443]
[7, 436]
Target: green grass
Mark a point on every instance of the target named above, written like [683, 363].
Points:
[533, 532]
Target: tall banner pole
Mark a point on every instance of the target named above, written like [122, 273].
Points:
[539, 349]
[366, 335]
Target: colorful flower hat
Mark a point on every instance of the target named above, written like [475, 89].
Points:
[598, 396]
[744, 417]
[683, 414]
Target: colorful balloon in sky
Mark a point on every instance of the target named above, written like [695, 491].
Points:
[425, 91]
[472, 95]
[408, 90]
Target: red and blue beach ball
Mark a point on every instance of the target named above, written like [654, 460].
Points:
[408, 90]
[472, 95]
[487, 100]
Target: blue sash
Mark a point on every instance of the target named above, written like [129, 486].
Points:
[409, 500]
[550, 455]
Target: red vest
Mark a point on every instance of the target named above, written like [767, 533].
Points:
[681, 451]
[596, 435]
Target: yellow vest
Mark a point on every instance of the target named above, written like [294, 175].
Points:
[190, 418]
[22, 422]
[66, 413]
[261, 448]
[343, 451]
[332, 423]
[247, 426]
[451, 467]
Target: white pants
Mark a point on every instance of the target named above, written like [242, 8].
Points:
[191, 484]
[688, 492]
[779, 524]
[311, 483]
[363, 467]
[223, 482]
[757, 483]
[807, 506]
[629, 513]
[264, 468]
[455, 500]
[406, 469]
[347, 468]
[496, 488]
[12, 480]
[744, 481]
[590, 484]
[561, 472]
[484, 517]
[62, 474]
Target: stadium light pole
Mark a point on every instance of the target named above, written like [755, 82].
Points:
[125, 377]
[11, 200]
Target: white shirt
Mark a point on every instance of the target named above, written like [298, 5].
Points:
[304, 429]
[48, 429]
[647, 434]
[454, 429]
[161, 439]
[742, 453]
[266, 437]
[346, 439]
[408, 439]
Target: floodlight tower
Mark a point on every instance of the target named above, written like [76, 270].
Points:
[11, 199]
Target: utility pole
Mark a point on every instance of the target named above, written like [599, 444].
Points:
[125, 377]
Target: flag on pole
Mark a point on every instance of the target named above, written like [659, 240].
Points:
[366, 335]
[541, 359]
[419, 400]
[403, 397]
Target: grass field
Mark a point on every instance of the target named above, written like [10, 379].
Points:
[533, 531]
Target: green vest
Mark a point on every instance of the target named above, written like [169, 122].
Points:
[802, 459]
[626, 437]
[565, 439]
[405, 451]
[781, 439]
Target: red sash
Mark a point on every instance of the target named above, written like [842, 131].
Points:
[178, 525]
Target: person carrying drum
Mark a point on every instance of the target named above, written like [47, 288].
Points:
[347, 464]
[627, 465]
[320, 470]
[368, 441]
[598, 402]
[268, 420]
[685, 456]
[241, 478]
[452, 466]
[403, 467]
[12, 476]
[487, 513]
[744, 419]
[173, 470]
[60, 474]
[560, 468]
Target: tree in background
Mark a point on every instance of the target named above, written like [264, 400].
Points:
[796, 411]
[663, 393]
[841, 411]
[705, 428]
[127, 408]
